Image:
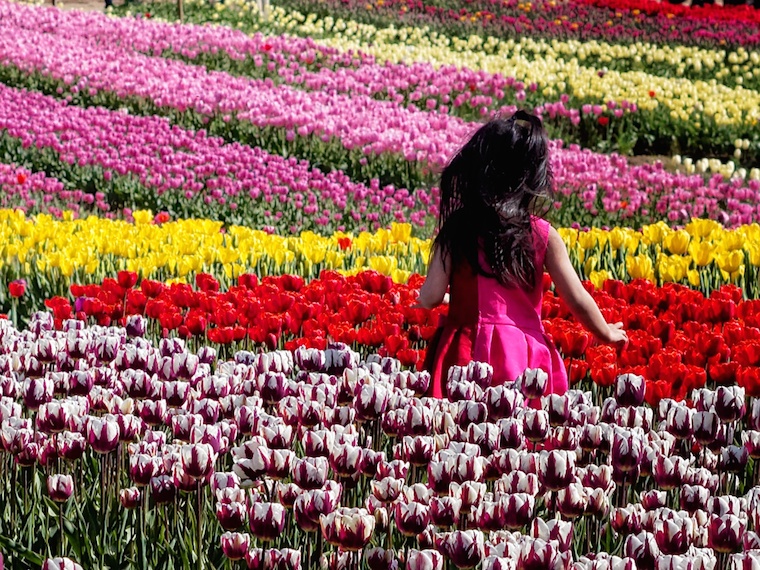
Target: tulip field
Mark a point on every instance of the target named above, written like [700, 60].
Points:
[213, 233]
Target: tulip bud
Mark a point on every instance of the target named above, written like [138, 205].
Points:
[465, 548]
[725, 533]
[630, 390]
[102, 435]
[625, 520]
[350, 529]
[675, 535]
[627, 451]
[532, 383]
[679, 421]
[60, 564]
[669, 472]
[556, 469]
[643, 548]
[198, 459]
[535, 425]
[387, 489]
[411, 518]
[558, 408]
[60, 487]
[469, 492]
[380, 559]
[424, 560]
[310, 472]
[537, 553]
[517, 510]
[162, 489]
[445, 511]
[231, 515]
[267, 520]
[235, 545]
[729, 403]
[733, 459]
[572, 500]
[130, 498]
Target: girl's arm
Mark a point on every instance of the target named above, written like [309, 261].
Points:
[579, 301]
[433, 291]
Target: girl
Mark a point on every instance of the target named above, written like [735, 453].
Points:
[491, 250]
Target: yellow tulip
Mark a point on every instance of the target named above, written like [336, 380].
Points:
[730, 261]
[640, 267]
[702, 252]
[599, 277]
[677, 242]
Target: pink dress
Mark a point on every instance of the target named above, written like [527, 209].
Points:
[489, 322]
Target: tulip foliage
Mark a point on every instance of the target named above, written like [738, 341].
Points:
[134, 454]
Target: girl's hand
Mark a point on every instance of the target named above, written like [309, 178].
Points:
[615, 334]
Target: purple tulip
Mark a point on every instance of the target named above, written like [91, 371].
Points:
[60, 487]
[572, 500]
[232, 515]
[538, 554]
[387, 489]
[643, 548]
[163, 489]
[532, 383]
[630, 390]
[674, 535]
[60, 564]
[380, 559]
[424, 560]
[198, 459]
[310, 505]
[556, 469]
[310, 473]
[102, 435]
[130, 497]
[729, 403]
[465, 548]
[411, 518]
[36, 392]
[536, 425]
[445, 511]
[267, 520]
[350, 529]
[235, 545]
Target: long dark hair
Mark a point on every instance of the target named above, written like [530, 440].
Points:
[489, 191]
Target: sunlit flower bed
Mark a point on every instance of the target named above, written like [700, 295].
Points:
[244, 182]
[627, 22]
[324, 459]
[51, 255]
[696, 112]
[680, 339]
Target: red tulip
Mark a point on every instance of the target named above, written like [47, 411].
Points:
[17, 288]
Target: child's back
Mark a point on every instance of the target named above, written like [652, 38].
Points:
[496, 323]
[491, 250]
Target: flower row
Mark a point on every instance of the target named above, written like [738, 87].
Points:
[321, 447]
[51, 254]
[313, 63]
[680, 339]
[245, 180]
[583, 20]
[704, 116]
